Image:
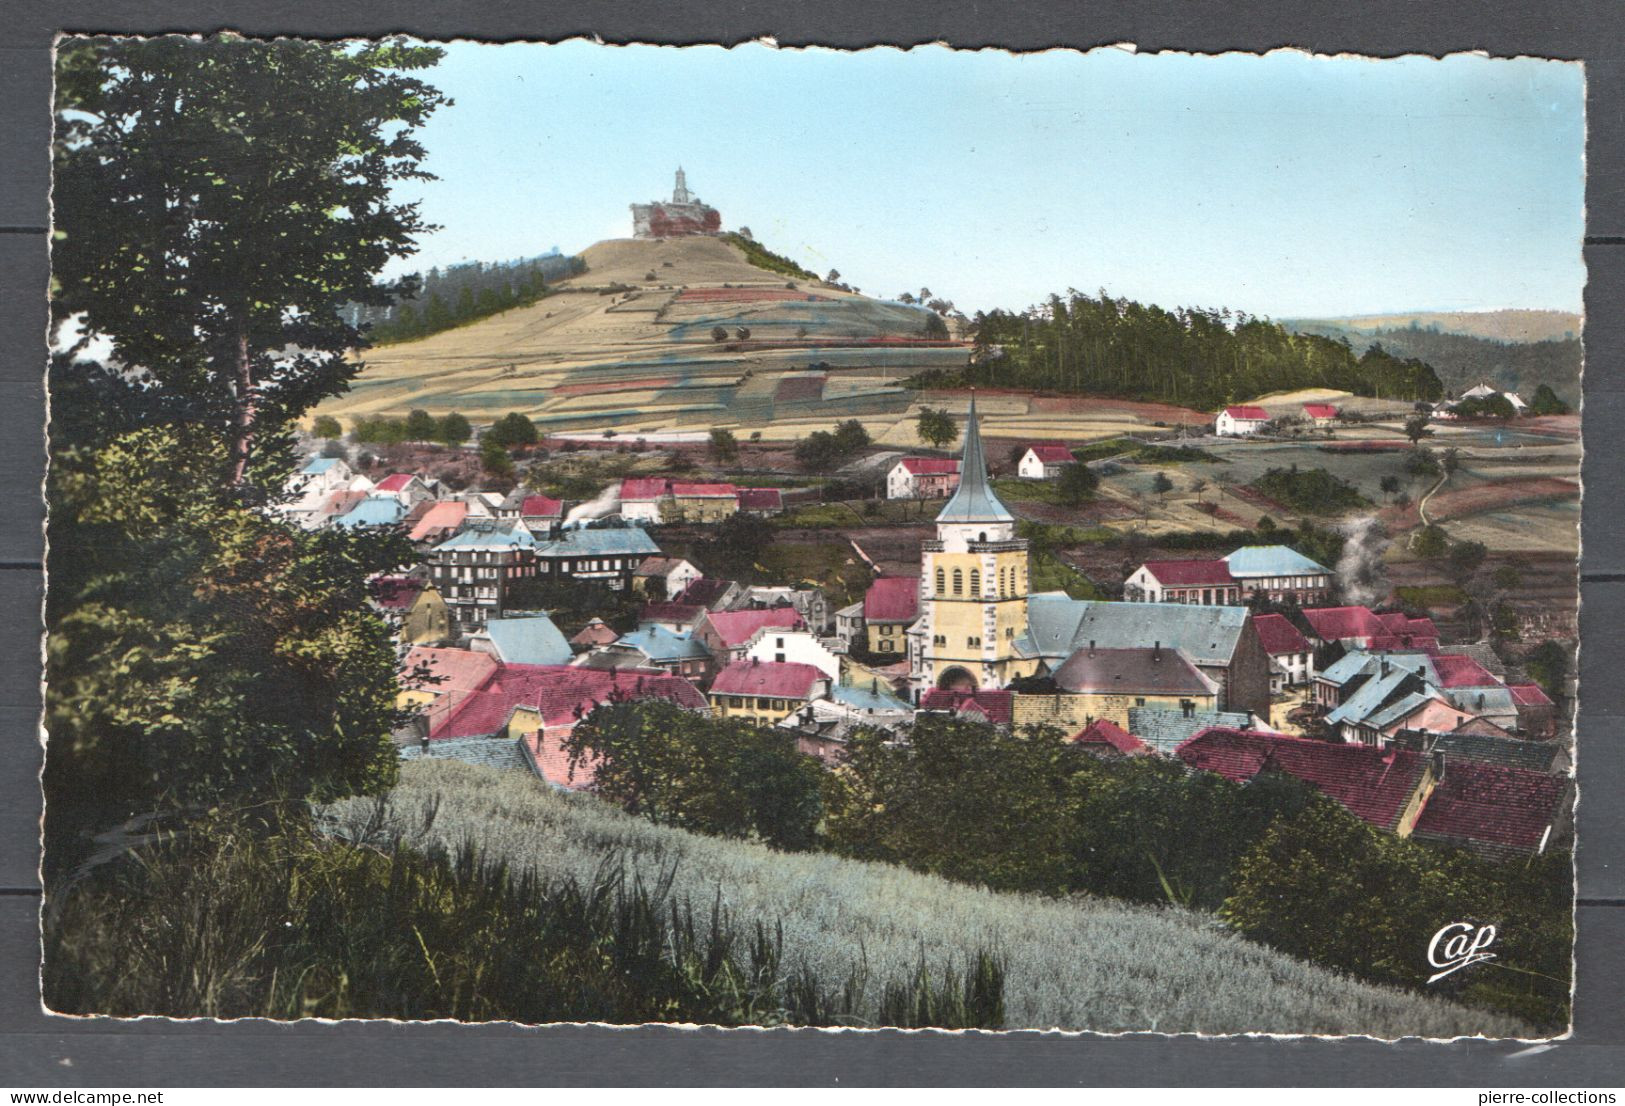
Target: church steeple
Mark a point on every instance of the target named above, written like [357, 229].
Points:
[680, 194]
[974, 500]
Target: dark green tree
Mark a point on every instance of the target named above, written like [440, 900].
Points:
[722, 776]
[1546, 402]
[326, 426]
[818, 451]
[494, 457]
[1417, 428]
[936, 427]
[454, 430]
[420, 426]
[512, 429]
[723, 446]
[1076, 484]
[217, 202]
[850, 436]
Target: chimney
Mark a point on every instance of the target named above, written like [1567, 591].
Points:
[1438, 765]
[1091, 647]
[1156, 651]
[1384, 672]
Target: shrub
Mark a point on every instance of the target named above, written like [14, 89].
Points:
[227, 920]
[1310, 491]
[722, 776]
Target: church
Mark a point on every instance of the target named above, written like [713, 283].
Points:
[681, 216]
[981, 626]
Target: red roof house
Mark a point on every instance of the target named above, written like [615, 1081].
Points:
[761, 499]
[1278, 635]
[439, 521]
[394, 482]
[596, 632]
[1189, 573]
[1320, 411]
[1344, 624]
[1052, 453]
[704, 491]
[1525, 695]
[709, 592]
[643, 488]
[1247, 413]
[726, 633]
[1456, 670]
[541, 506]
[1106, 738]
[997, 707]
[773, 679]
[1492, 809]
[561, 694]
[929, 466]
[1374, 784]
[892, 599]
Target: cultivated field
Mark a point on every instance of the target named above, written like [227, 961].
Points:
[1076, 964]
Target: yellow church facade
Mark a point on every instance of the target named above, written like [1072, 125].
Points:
[973, 587]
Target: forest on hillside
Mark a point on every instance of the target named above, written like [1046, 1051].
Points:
[1194, 357]
[1462, 360]
[459, 294]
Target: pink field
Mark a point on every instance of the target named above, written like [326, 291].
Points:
[1491, 496]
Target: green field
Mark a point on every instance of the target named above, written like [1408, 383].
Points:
[1080, 963]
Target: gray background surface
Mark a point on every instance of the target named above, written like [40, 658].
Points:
[41, 1051]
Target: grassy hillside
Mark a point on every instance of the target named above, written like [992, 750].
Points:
[1080, 964]
[666, 335]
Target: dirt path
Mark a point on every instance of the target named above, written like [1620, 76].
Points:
[1422, 506]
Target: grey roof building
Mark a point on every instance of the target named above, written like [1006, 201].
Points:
[1221, 642]
[1167, 730]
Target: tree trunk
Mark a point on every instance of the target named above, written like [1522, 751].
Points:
[243, 417]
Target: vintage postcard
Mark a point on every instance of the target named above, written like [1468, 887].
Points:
[764, 537]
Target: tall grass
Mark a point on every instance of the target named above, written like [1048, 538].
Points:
[1076, 964]
[229, 919]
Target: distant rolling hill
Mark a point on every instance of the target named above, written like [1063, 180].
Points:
[1515, 350]
[631, 344]
[1512, 325]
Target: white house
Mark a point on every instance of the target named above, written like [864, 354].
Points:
[642, 498]
[674, 572]
[1203, 582]
[922, 478]
[1482, 390]
[849, 624]
[1238, 422]
[1321, 415]
[779, 645]
[312, 485]
[407, 487]
[1044, 461]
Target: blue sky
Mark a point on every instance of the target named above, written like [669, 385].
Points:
[1284, 185]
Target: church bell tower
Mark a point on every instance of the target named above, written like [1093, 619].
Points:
[973, 586]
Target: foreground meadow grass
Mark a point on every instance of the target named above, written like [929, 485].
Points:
[1076, 964]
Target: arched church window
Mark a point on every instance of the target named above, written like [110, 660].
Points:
[976, 582]
[959, 582]
[942, 586]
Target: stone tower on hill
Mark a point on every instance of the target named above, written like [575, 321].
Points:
[973, 587]
[681, 216]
